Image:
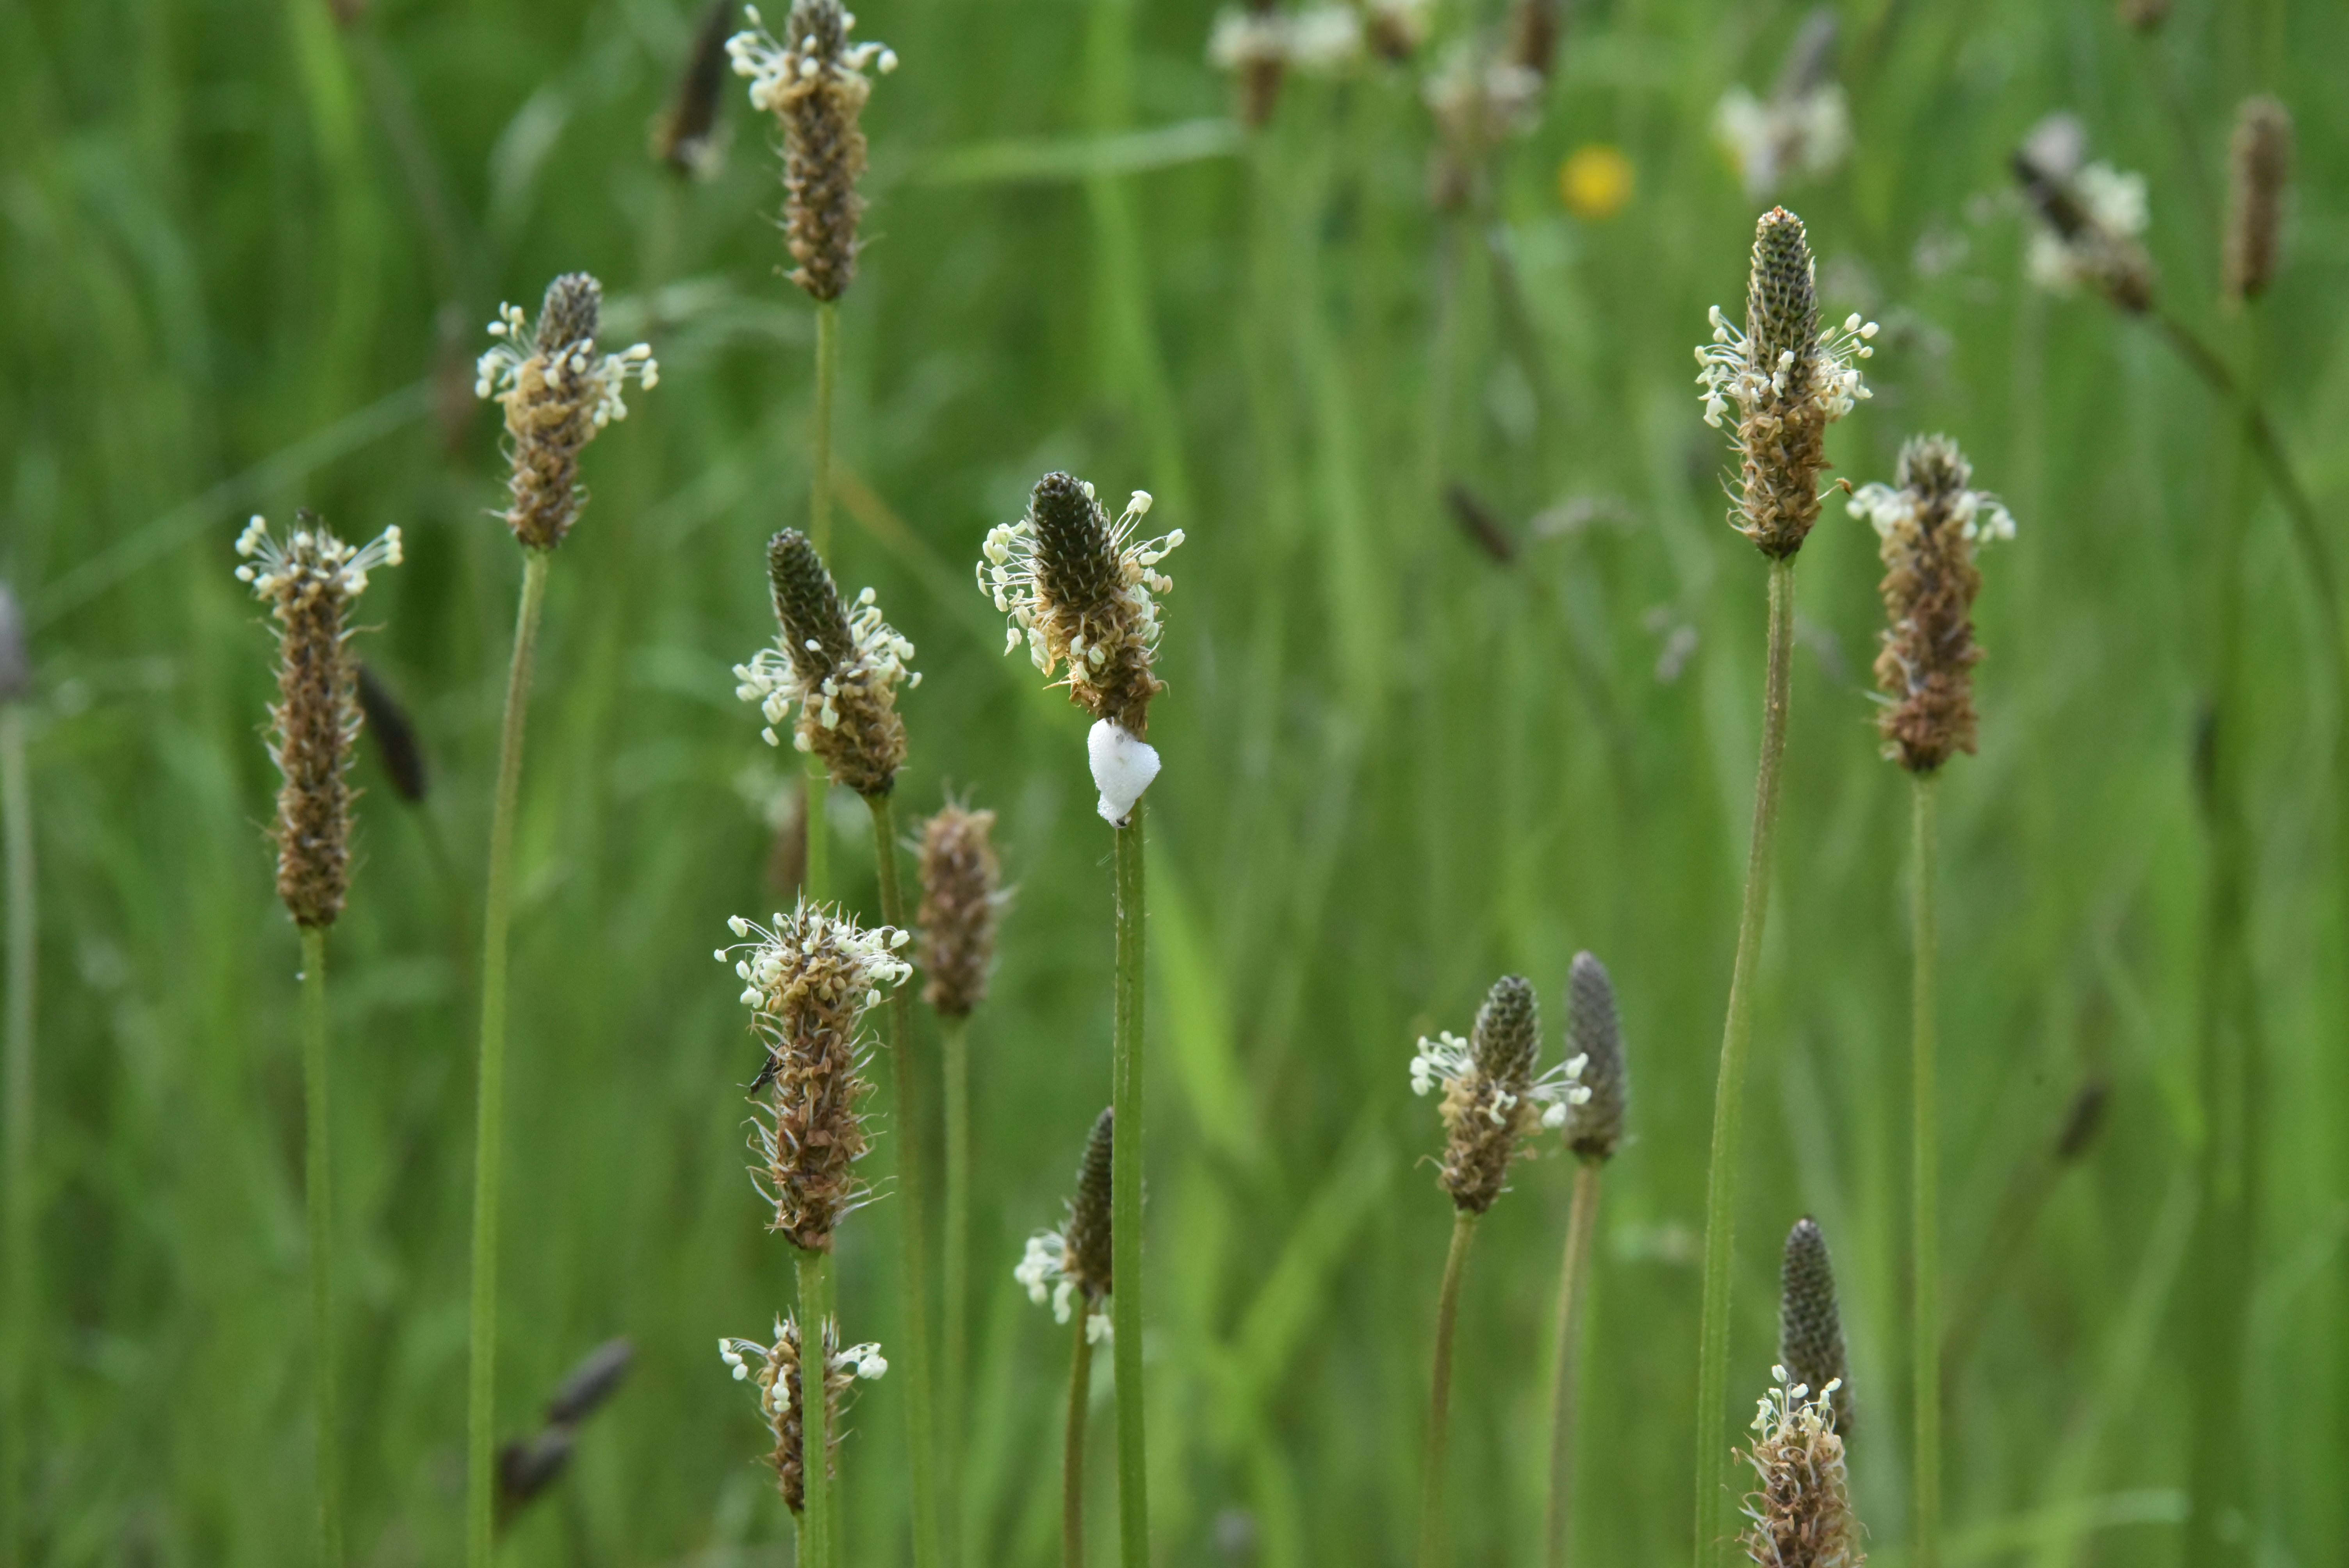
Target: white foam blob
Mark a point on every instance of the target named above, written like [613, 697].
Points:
[1123, 769]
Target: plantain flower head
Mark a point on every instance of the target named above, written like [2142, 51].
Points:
[840, 664]
[558, 389]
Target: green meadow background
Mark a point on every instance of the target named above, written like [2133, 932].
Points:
[246, 251]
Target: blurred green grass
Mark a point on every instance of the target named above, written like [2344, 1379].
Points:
[247, 257]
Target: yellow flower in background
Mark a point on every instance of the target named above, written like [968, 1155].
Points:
[1595, 181]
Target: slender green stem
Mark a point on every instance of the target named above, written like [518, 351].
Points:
[913, 1254]
[1125, 1201]
[1564, 1387]
[1925, 1189]
[17, 1394]
[1438, 1403]
[815, 876]
[955, 1360]
[318, 1181]
[816, 1497]
[1729, 1091]
[1073, 1445]
[480, 1403]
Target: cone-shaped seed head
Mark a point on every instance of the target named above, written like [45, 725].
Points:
[1927, 530]
[961, 881]
[308, 582]
[812, 81]
[1781, 301]
[16, 665]
[1810, 1329]
[2260, 170]
[1087, 1253]
[1488, 1110]
[1594, 1129]
[1800, 1511]
[841, 666]
[557, 391]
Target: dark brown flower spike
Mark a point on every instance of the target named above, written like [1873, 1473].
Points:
[1593, 1035]
[2260, 171]
[308, 583]
[775, 1369]
[812, 81]
[1810, 1327]
[1800, 1514]
[961, 889]
[840, 666]
[1492, 1097]
[1073, 1262]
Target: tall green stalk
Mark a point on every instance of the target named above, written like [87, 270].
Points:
[1125, 1201]
[16, 1247]
[955, 1360]
[912, 1256]
[1072, 1444]
[815, 876]
[318, 1181]
[489, 1115]
[1438, 1403]
[818, 1547]
[1729, 1089]
[1574, 1287]
[1925, 1188]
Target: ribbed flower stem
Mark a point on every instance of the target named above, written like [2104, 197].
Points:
[1574, 1286]
[1125, 1201]
[1729, 1091]
[1072, 1446]
[17, 1394]
[815, 876]
[955, 1361]
[1925, 1213]
[818, 1548]
[319, 1195]
[489, 1114]
[913, 1257]
[1439, 1404]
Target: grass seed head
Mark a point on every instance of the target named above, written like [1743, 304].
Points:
[1929, 527]
[808, 982]
[961, 890]
[813, 83]
[1800, 1513]
[2260, 171]
[1788, 380]
[775, 1370]
[308, 582]
[557, 391]
[1594, 1128]
[1810, 1329]
[1083, 592]
[840, 663]
[1493, 1098]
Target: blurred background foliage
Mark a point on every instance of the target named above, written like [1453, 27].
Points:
[246, 249]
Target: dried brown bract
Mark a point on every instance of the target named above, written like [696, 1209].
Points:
[961, 890]
[840, 666]
[1492, 1097]
[308, 583]
[557, 391]
[1789, 381]
[1810, 1327]
[1929, 528]
[1801, 1512]
[2260, 170]
[813, 83]
[808, 982]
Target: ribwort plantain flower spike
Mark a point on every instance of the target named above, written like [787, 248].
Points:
[308, 582]
[813, 83]
[1081, 592]
[775, 1369]
[1493, 1098]
[1803, 128]
[1930, 528]
[2090, 219]
[808, 982]
[2260, 170]
[1801, 1513]
[1810, 1327]
[1073, 1262]
[1789, 381]
[840, 664]
[961, 892]
[557, 391]
[1594, 1124]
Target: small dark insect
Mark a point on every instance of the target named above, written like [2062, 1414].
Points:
[766, 1074]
